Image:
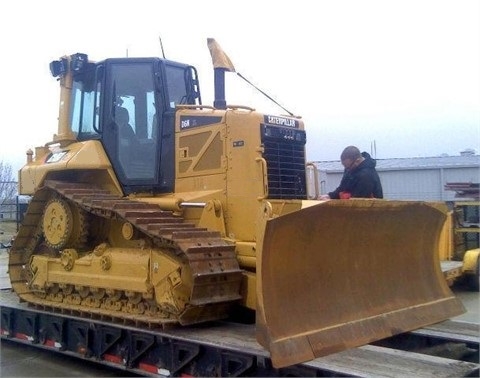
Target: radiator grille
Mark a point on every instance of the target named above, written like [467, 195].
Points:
[284, 152]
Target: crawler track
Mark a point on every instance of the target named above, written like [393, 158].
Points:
[215, 272]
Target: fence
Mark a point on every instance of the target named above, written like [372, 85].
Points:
[8, 210]
[13, 210]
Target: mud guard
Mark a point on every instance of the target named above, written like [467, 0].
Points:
[345, 273]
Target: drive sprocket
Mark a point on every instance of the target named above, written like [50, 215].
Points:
[63, 224]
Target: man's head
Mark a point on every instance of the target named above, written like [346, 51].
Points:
[351, 157]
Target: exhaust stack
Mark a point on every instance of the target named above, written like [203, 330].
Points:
[221, 63]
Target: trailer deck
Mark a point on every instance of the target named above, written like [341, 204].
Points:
[445, 349]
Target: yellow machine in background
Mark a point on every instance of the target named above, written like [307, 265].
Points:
[150, 207]
[460, 260]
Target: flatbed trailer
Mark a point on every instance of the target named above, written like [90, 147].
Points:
[229, 349]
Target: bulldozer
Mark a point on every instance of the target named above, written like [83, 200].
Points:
[151, 208]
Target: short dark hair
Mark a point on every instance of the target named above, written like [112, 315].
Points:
[350, 152]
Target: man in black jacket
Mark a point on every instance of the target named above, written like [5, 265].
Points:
[360, 178]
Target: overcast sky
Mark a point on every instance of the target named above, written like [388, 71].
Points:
[403, 74]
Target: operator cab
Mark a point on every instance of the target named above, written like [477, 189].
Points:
[129, 105]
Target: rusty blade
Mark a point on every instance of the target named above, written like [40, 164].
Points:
[346, 273]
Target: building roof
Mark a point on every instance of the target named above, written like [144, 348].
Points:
[462, 161]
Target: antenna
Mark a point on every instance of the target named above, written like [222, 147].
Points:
[262, 92]
[161, 46]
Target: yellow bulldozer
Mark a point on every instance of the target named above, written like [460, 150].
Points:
[151, 208]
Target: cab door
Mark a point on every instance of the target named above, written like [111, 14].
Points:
[131, 121]
[138, 104]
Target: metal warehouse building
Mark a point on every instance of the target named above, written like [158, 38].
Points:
[421, 178]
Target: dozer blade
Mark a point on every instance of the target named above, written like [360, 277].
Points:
[345, 273]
